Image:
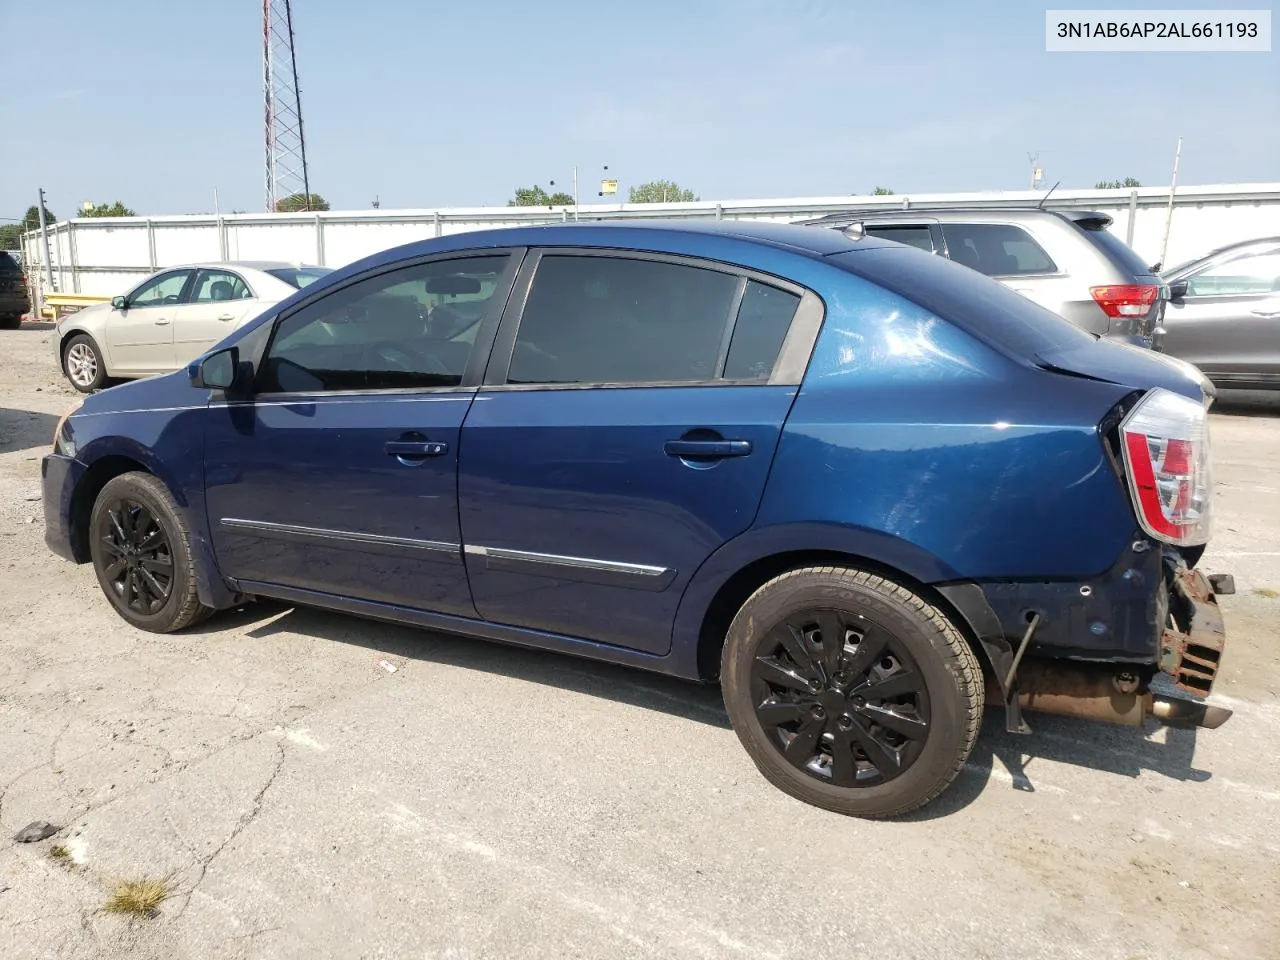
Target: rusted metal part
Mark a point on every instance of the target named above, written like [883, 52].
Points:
[1104, 693]
[1192, 658]
[1082, 690]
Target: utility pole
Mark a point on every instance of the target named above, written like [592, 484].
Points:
[44, 240]
[1036, 172]
[1168, 215]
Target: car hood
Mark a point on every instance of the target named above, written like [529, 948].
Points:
[1121, 363]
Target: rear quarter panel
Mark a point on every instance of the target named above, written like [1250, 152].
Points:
[908, 430]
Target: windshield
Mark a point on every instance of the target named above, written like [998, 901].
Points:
[299, 276]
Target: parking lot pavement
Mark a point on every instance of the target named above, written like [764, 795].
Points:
[481, 801]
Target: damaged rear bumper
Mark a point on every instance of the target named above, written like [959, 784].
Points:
[1041, 642]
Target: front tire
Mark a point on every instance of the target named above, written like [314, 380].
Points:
[850, 692]
[83, 364]
[141, 552]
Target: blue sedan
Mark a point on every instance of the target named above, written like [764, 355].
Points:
[865, 489]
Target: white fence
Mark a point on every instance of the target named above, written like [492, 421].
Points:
[108, 255]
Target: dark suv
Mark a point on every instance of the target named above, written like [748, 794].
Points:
[13, 293]
[1066, 260]
[865, 489]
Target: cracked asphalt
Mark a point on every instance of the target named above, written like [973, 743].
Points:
[481, 801]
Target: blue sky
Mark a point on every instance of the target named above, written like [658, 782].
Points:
[428, 103]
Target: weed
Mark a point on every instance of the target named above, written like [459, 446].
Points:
[60, 854]
[1267, 592]
[138, 897]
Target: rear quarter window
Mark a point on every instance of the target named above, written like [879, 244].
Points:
[983, 307]
[996, 249]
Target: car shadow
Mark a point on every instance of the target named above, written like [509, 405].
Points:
[651, 691]
[1003, 760]
[1000, 760]
[36, 325]
[23, 429]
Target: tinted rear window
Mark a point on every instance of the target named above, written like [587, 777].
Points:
[996, 249]
[912, 235]
[299, 276]
[1120, 253]
[984, 307]
[8, 264]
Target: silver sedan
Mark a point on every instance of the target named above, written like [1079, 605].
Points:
[170, 318]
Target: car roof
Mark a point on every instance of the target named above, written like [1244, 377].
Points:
[246, 265]
[638, 234]
[951, 213]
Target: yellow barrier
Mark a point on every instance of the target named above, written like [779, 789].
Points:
[58, 305]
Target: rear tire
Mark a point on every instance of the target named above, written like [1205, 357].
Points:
[141, 552]
[850, 692]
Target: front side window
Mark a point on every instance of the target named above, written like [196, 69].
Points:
[408, 328]
[616, 320]
[1253, 274]
[216, 286]
[996, 249]
[913, 235]
[164, 290]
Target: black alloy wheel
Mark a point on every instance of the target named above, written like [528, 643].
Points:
[840, 697]
[141, 552]
[851, 692]
[140, 558]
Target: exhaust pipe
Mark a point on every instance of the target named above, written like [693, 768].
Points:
[1107, 694]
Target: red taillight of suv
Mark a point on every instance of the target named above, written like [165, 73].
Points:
[1165, 439]
[1126, 299]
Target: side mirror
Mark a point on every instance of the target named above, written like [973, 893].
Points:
[120, 303]
[1178, 290]
[217, 371]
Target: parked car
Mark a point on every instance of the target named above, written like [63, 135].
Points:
[13, 292]
[1224, 314]
[1066, 260]
[863, 488]
[169, 318]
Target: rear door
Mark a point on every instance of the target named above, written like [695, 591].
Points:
[140, 337]
[625, 431]
[1228, 322]
[219, 301]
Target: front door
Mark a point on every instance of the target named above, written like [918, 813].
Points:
[625, 432]
[339, 476]
[219, 301]
[140, 337]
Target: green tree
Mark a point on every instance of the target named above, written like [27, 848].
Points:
[660, 191]
[116, 209]
[882, 192]
[1127, 182]
[297, 202]
[535, 196]
[11, 233]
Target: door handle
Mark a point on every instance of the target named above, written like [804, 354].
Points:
[227, 316]
[1266, 313]
[409, 449]
[707, 448]
[162, 321]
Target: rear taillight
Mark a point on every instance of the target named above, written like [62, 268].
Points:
[1126, 299]
[1165, 440]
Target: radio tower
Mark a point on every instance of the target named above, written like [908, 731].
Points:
[286, 148]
